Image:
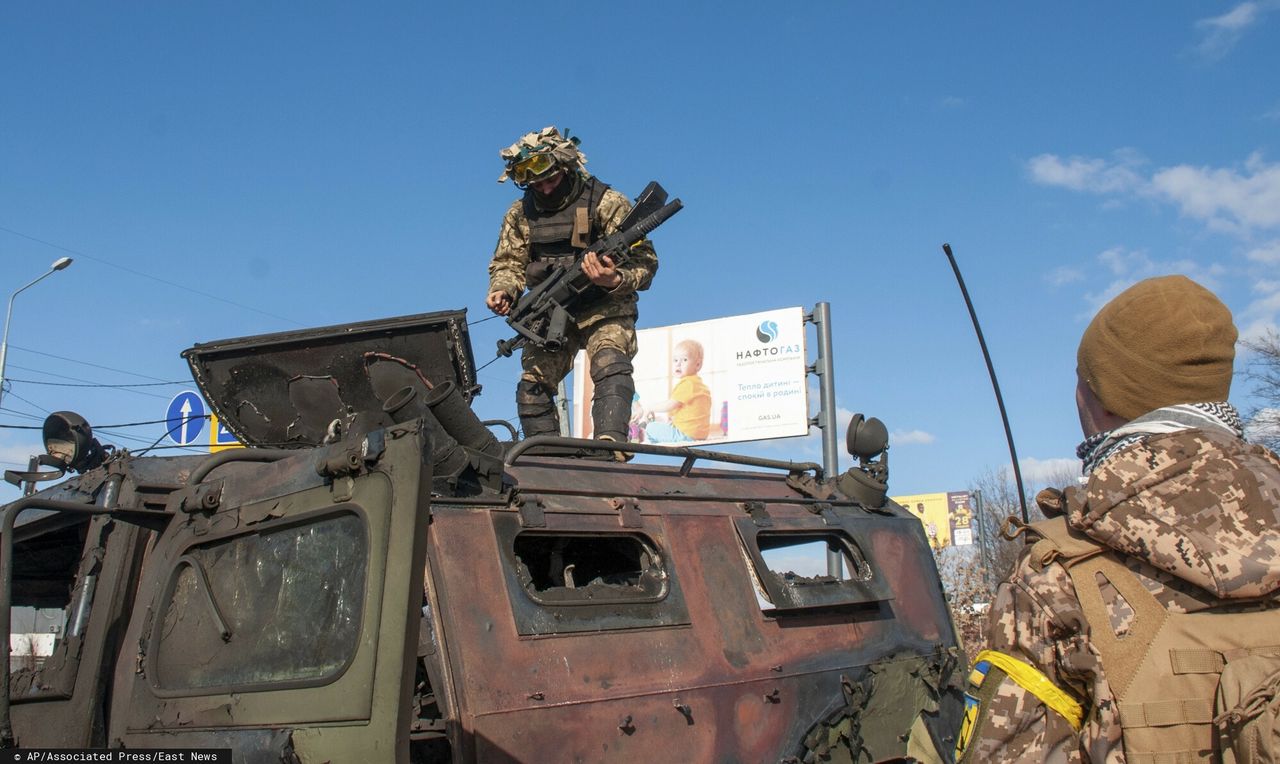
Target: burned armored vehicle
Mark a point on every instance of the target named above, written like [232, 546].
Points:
[378, 577]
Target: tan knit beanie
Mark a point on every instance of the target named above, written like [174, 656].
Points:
[1160, 342]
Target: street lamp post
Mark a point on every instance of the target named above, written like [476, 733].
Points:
[58, 265]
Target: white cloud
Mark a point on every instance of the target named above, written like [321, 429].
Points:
[951, 102]
[1064, 275]
[1267, 254]
[1220, 34]
[1226, 199]
[1121, 261]
[1129, 266]
[1262, 313]
[1237, 200]
[909, 437]
[1082, 174]
[1037, 472]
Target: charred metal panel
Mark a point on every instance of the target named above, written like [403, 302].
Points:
[735, 684]
[285, 388]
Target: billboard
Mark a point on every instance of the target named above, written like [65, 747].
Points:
[947, 517]
[719, 381]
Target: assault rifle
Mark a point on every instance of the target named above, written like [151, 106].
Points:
[542, 314]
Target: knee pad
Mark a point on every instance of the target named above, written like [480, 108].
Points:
[609, 363]
[533, 398]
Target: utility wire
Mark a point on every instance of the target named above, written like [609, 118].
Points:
[92, 384]
[157, 279]
[95, 427]
[123, 388]
[86, 363]
[25, 414]
[102, 384]
[139, 424]
[12, 394]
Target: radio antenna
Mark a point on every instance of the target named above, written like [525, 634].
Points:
[995, 385]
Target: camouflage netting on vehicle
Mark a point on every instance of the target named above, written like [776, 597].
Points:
[548, 140]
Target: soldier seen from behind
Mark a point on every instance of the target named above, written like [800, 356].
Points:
[1140, 623]
[563, 210]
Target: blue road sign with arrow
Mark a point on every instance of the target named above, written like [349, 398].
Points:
[185, 418]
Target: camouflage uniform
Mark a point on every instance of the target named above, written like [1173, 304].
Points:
[604, 327]
[1194, 514]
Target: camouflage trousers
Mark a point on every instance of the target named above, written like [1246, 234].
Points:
[548, 368]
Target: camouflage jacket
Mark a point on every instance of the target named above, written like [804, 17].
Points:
[1196, 516]
[511, 257]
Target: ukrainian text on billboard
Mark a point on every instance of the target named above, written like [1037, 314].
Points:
[719, 381]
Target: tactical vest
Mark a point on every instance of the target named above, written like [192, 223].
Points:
[555, 237]
[1164, 672]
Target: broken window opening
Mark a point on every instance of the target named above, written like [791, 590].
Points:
[567, 568]
[47, 598]
[802, 560]
[790, 571]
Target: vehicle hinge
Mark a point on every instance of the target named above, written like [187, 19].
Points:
[759, 513]
[531, 513]
[341, 489]
[628, 512]
[198, 498]
[810, 486]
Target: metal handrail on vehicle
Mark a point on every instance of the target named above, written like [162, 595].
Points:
[690, 455]
[213, 461]
[501, 423]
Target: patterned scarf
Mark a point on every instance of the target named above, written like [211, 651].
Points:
[1184, 416]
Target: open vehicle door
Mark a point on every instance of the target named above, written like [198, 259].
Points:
[81, 564]
[280, 617]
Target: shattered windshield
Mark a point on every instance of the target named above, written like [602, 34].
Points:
[283, 604]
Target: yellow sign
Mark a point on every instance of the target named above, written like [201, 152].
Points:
[931, 509]
[220, 438]
[947, 517]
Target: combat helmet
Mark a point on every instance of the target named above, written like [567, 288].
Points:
[538, 155]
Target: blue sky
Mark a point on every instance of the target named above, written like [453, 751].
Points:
[225, 169]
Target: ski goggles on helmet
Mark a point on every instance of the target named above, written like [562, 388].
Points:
[529, 168]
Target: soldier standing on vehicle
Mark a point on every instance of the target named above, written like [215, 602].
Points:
[564, 209]
[1155, 584]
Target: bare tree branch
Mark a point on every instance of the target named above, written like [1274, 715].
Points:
[1262, 424]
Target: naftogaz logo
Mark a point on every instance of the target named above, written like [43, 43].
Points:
[767, 331]
[769, 334]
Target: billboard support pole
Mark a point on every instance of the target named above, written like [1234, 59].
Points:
[562, 409]
[826, 419]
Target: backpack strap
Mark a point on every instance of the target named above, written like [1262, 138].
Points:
[1058, 542]
[1084, 558]
[1121, 657]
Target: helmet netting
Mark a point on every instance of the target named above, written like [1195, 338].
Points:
[548, 140]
